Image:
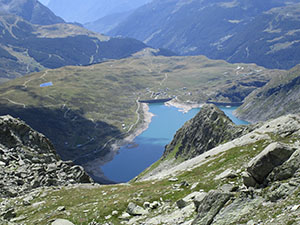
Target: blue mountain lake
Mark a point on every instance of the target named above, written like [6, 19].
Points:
[149, 146]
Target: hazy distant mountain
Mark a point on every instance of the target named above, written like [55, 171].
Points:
[45, 2]
[220, 29]
[30, 10]
[91, 10]
[26, 48]
[107, 23]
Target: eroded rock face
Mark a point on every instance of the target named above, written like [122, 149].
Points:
[287, 169]
[272, 156]
[210, 206]
[209, 128]
[28, 160]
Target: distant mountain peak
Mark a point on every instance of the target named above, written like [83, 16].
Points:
[30, 10]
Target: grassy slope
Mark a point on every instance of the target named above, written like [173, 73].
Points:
[86, 106]
[26, 48]
[86, 203]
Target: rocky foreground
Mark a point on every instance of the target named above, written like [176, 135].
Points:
[252, 179]
[28, 160]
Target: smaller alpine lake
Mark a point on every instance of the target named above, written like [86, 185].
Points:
[148, 147]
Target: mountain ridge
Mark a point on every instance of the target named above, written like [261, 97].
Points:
[91, 10]
[30, 10]
[29, 48]
[278, 97]
[218, 29]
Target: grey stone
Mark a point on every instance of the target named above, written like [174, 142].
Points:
[272, 156]
[146, 205]
[229, 187]
[237, 210]
[135, 210]
[248, 180]
[287, 169]
[154, 205]
[124, 216]
[27, 200]
[17, 219]
[173, 179]
[199, 198]
[62, 222]
[9, 214]
[61, 208]
[229, 173]
[114, 213]
[181, 203]
[280, 191]
[210, 206]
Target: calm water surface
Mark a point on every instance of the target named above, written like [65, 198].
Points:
[149, 146]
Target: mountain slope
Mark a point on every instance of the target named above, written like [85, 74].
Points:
[271, 39]
[91, 10]
[280, 96]
[212, 188]
[29, 161]
[224, 29]
[82, 109]
[26, 48]
[107, 23]
[30, 10]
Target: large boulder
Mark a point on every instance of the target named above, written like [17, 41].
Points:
[287, 169]
[210, 207]
[272, 156]
[135, 210]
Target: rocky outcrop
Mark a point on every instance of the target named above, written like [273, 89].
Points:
[263, 182]
[280, 96]
[209, 128]
[210, 206]
[272, 156]
[135, 210]
[28, 160]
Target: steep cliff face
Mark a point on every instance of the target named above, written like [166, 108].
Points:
[209, 128]
[279, 97]
[28, 161]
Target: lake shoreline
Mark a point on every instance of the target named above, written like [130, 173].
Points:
[142, 126]
[183, 107]
[93, 167]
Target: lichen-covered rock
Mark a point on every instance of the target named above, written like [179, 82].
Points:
[287, 169]
[248, 180]
[229, 173]
[210, 207]
[135, 210]
[28, 160]
[272, 156]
